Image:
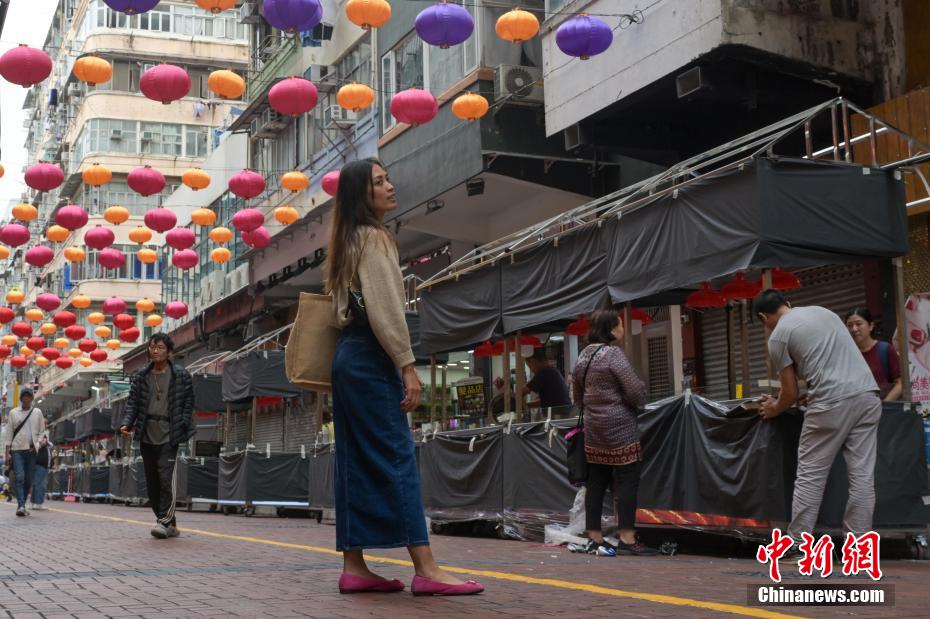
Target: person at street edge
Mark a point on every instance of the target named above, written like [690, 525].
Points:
[25, 431]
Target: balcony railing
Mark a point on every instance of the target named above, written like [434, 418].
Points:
[274, 53]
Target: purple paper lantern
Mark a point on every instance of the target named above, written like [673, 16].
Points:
[584, 36]
[293, 15]
[445, 24]
[131, 7]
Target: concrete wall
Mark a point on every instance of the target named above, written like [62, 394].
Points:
[222, 53]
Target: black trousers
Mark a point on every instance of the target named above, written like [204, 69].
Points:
[625, 484]
[160, 462]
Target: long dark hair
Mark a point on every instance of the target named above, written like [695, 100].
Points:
[352, 211]
[602, 323]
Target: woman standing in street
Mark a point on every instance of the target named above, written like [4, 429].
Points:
[609, 392]
[881, 356]
[377, 485]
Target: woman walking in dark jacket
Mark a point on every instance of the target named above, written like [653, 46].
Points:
[609, 395]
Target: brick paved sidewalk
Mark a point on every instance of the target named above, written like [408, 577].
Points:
[90, 560]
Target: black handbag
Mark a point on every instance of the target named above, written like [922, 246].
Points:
[575, 458]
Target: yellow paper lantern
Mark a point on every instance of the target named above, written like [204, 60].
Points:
[154, 320]
[113, 344]
[42, 362]
[196, 179]
[103, 332]
[97, 175]
[216, 6]
[470, 106]
[48, 328]
[35, 315]
[226, 84]
[116, 215]
[355, 96]
[25, 212]
[145, 305]
[147, 256]
[57, 234]
[368, 14]
[14, 296]
[286, 215]
[220, 255]
[62, 343]
[96, 318]
[74, 254]
[203, 217]
[221, 235]
[295, 181]
[140, 235]
[74, 353]
[81, 301]
[93, 70]
[86, 362]
[517, 26]
[26, 351]
[4, 252]
[9, 340]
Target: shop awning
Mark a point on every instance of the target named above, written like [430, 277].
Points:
[208, 395]
[260, 373]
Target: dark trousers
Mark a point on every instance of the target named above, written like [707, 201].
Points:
[625, 484]
[24, 465]
[160, 479]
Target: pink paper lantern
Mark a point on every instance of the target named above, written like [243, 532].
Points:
[87, 345]
[130, 335]
[293, 96]
[165, 83]
[330, 182]
[414, 106]
[124, 321]
[71, 217]
[259, 238]
[161, 219]
[40, 255]
[181, 238]
[14, 235]
[75, 332]
[111, 258]
[64, 363]
[146, 181]
[44, 176]
[248, 219]
[64, 319]
[185, 259]
[25, 66]
[48, 301]
[176, 309]
[247, 184]
[114, 305]
[99, 237]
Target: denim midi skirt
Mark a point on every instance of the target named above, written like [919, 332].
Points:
[377, 484]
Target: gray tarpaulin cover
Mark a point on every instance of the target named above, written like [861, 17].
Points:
[253, 477]
[198, 478]
[322, 462]
[63, 432]
[257, 374]
[208, 395]
[774, 212]
[94, 422]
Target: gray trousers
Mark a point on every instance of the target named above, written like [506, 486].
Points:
[853, 427]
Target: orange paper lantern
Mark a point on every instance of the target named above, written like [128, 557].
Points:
[116, 215]
[517, 26]
[97, 175]
[145, 305]
[74, 254]
[203, 217]
[286, 215]
[4, 252]
[221, 235]
[154, 320]
[216, 6]
[103, 332]
[93, 70]
[295, 181]
[25, 212]
[113, 344]
[195, 178]
[62, 343]
[81, 301]
[14, 296]
[96, 318]
[48, 328]
[9, 340]
[368, 14]
[147, 256]
[40, 361]
[57, 234]
[74, 353]
[470, 106]
[35, 315]
[220, 255]
[226, 84]
[140, 235]
[355, 96]
[86, 362]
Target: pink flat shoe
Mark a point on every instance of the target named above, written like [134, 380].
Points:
[349, 583]
[425, 586]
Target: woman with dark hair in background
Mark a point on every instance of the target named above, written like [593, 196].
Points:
[609, 392]
[881, 356]
[377, 486]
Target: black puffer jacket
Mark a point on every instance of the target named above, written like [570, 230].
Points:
[180, 404]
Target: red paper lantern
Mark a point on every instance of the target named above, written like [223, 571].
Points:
[165, 83]
[99, 237]
[111, 258]
[36, 343]
[40, 255]
[161, 219]
[146, 181]
[176, 309]
[248, 219]
[48, 301]
[71, 217]
[578, 328]
[50, 353]
[705, 298]
[784, 280]
[87, 345]
[75, 332]
[124, 321]
[64, 363]
[6, 315]
[259, 238]
[19, 362]
[247, 184]
[5, 351]
[130, 335]
[64, 319]
[114, 305]
[25, 66]
[293, 96]
[44, 176]
[185, 259]
[99, 355]
[181, 238]
[740, 289]
[14, 235]
[484, 350]
[330, 182]
[22, 329]
[414, 106]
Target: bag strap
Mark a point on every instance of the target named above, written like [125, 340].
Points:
[883, 357]
[584, 381]
[21, 424]
[355, 272]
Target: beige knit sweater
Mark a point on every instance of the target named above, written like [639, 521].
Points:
[382, 286]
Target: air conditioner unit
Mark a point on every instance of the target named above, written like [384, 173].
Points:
[338, 117]
[249, 13]
[116, 134]
[518, 84]
[74, 90]
[270, 124]
[147, 136]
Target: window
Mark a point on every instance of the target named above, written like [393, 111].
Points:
[554, 6]
[401, 68]
[196, 143]
[448, 66]
[177, 19]
[156, 20]
[160, 139]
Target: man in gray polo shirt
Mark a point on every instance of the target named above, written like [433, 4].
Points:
[843, 407]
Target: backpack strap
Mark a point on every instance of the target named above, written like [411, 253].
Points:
[883, 357]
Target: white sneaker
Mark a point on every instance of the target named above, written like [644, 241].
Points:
[39, 507]
[159, 531]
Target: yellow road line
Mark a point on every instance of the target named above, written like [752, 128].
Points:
[735, 609]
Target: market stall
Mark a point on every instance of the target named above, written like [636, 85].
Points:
[249, 478]
[198, 480]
